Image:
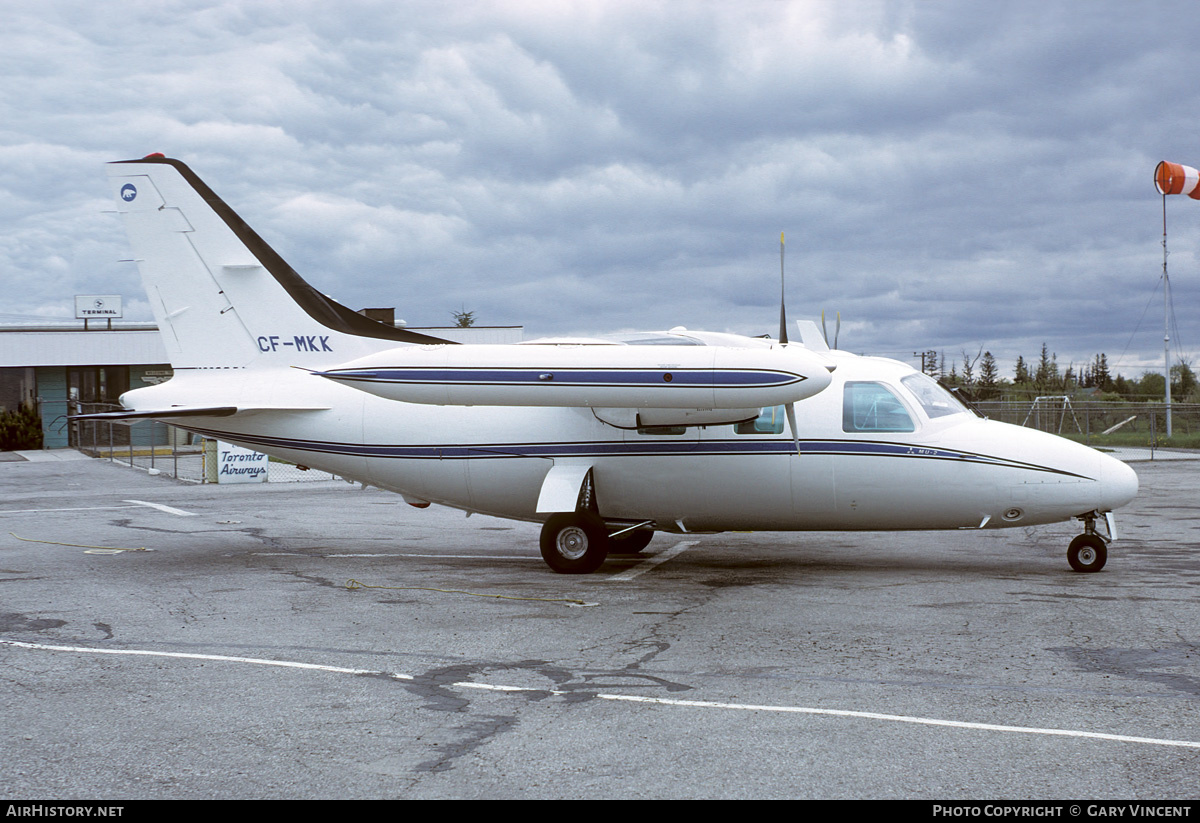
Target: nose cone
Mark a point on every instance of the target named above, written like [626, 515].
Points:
[1118, 483]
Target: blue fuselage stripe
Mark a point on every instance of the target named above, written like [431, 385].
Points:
[451, 451]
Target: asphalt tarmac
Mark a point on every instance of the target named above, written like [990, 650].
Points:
[168, 640]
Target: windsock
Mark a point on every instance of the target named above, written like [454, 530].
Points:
[1172, 178]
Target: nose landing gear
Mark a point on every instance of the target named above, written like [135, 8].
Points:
[1089, 551]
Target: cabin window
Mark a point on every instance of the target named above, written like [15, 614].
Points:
[769, 421]
[873, 407]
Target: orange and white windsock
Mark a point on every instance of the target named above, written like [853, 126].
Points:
[1172, 178]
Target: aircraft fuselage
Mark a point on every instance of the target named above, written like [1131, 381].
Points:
[953, 471]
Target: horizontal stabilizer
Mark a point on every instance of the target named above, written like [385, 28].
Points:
[188, 411]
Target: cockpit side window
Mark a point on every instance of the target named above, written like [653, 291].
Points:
[873, 407]
[935, 401]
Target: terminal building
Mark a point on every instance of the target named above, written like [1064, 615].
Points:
[67, 367]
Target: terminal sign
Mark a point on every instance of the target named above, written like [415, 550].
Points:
[91, 306]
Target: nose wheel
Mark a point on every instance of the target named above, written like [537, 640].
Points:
[1089, 551]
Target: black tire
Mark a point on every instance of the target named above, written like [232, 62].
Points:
[574, 543]
[1087, 553]
[631, 542]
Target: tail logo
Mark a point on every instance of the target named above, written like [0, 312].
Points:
[128, 192]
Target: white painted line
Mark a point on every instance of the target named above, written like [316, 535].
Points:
[162, 508]
[899, 718]
[287, 664]
[652, 562]
[625, 698]
[51, 511]
[492, 687]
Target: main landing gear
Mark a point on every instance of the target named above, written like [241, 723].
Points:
[1089, 551]
[578, 542]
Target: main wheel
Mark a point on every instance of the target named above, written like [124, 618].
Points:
[574, 543]
[1087, 553]
[630, 542]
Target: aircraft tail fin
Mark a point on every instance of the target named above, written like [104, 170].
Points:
[222, 297]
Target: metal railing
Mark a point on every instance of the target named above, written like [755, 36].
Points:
[1135, 431]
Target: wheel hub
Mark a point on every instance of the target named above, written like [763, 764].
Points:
[572, 543]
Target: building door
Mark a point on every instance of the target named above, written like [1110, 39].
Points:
[96, 384]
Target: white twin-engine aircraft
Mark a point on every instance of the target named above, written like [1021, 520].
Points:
[604, 441]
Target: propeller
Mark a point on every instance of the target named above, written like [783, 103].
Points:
[790, 409]
[836, 330]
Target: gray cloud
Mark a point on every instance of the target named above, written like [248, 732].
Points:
[949, 176]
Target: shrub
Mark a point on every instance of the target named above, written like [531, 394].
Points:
[20, 429]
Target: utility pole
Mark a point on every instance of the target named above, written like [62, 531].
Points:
[929, 361]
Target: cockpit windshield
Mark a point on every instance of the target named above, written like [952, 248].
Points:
[935, 401]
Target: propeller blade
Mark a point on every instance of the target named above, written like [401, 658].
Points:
[790, 411]
[783, 338]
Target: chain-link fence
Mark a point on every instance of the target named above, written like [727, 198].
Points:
[160, 448]
[1132, 431]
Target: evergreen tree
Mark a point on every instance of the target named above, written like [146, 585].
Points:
[1100, 377]
[1021, 377]
[989, 377]
[1046, 375]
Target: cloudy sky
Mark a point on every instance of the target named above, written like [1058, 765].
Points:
[950, 176]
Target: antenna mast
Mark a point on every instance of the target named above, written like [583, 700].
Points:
[1166, 321]
[1171, 178]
